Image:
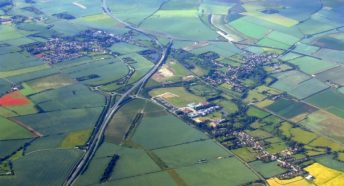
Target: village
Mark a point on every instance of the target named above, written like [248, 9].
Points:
[88, 42]
[194, 111]
[284, 158]
[234, 76]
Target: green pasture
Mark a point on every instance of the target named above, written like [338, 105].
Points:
[11, 130]
[190, 153]
[330, 100]
[165, 130]
[68, 97]
[268, 170]
[218, 172]
[49, 167]
[64, 121]
[311, 65]
[290, 108]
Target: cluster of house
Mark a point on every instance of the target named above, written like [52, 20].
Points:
[61, 48]
[234, 74]
[284, 158]
[194, 110]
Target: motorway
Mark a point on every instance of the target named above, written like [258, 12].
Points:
[98, 133]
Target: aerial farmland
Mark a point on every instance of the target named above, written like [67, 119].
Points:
[172, 92]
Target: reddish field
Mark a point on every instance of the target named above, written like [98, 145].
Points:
[14, 99]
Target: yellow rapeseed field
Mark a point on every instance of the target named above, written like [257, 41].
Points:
[297, 181]
[323, 176]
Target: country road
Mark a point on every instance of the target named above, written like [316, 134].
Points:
[98, 134]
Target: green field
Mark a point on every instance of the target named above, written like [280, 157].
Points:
[9, 32]
[20, 41]
[252, 111]
[11, 130]
[285, 129]
[224, 49]
[273, 25]
[10, 146]
[100, 21]
[289, 108]
[325, 142]
[4, 86]
[76, 138]
[270, 43]
[305, 49]
[274, 140]
[164, 130]
[13, 63]
[33, 75]
[312, 26]
[215, 8]
[68, 97]
[331, 41]
[276, 147]
[308, 88]
[270, 123]
[334, 42]
[133, 162]
[125, 48]
[180, 96]
[97, 166]
[245, 154]
[283, 38]
[312, 66]
[16, 72]
[138, 9]
[183, 23]
[120, 123]
[47, 142]
[329, 161]
[8, 49]
[49, 82]
[287, 81]
[254, 96]
[302, 136]
[260, 134]
[106, 70]
[228, 105]
[152, 179]
[330, 100]
[273, 18]
[62, 121]
[330, 55]
[268, 170]
[217, 172]
[86, 8]
[249, 29]
[334, 75]
[27, 109]
[50, 167]
[141, 66]
[188, 154]
[325, 123]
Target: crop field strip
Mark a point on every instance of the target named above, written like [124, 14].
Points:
[156, 158]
